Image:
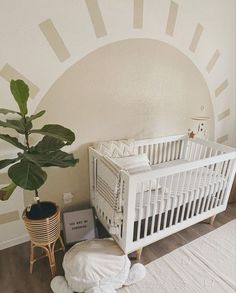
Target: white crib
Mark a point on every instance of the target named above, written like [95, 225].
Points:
[192, 180]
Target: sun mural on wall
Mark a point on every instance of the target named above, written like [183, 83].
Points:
[98, 23]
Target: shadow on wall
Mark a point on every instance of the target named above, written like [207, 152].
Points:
[134, 88]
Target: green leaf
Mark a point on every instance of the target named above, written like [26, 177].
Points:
[7, 162]
[57, 131]
[19, 125]
[48, 144]
[8, 111]
[20, 91]
[35, 116]
[14, 124]
[61, 159]
[13, 140]
[53, 159]
[27, 175]
[7, 191]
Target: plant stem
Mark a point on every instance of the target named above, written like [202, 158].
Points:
[27, 136]
[37, 195]
[28, 150]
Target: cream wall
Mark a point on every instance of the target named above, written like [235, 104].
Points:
[69, 88]
[135, 88]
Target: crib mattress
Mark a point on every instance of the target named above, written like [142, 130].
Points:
[182, 188]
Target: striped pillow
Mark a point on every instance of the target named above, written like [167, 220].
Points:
[116, 148]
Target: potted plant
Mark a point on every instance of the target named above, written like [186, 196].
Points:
[26, 170]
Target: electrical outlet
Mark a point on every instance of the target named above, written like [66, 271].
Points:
[67, 197]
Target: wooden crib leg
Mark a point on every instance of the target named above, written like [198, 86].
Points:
[138, 253]
[212, 219]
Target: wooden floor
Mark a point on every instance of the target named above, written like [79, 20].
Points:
[14, 261]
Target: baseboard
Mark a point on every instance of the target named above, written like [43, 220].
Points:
[15, 241]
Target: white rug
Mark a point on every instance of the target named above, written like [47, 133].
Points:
[206, 265]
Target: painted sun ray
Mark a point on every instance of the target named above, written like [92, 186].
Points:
[196, 38]
[221, 88]
[171, 22]
[138, 14]
[223, 115]
[223, 139]
[54, 39]
[96, 18]
[9, 73]
[213, 61]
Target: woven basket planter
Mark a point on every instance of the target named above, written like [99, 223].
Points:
[44, 233]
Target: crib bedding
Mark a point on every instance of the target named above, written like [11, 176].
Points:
[192, 185]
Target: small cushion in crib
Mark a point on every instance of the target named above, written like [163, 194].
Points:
[137, 164]
[133, 164]
[116, 148]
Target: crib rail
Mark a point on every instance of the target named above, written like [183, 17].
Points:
[171, 199]
[162, 150]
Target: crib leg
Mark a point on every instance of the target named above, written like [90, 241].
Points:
[212, 219]
[138, 253]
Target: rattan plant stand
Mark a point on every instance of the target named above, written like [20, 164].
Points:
[44, 234]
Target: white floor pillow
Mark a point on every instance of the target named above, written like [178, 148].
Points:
[96, 266]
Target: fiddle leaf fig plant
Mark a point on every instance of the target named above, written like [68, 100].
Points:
[27, 168]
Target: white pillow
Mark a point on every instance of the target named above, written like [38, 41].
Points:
[133, 164]
[136, 164]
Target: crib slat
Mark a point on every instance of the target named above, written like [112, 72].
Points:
[177, 149]
[141, 149]
[220, 188]
[155, 154]
[175, 194]
[164, 152]
[212, 186]
[190, 146]
[192, 192]
[212, 183]
[197, 193]
[226, 181]
[180, 196]
[208, 185]
[172, 157]
[205, 152]
[191, 151]
[140, 214]
[151, 159]
[168, 152]
[203, 189]
[186, 195]
[160, 153]
[168, 198]
[155, 200]
[219, 185]
[184, 149]
[146, 147]
[200, 152]
[163, 188]
[148, 208]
